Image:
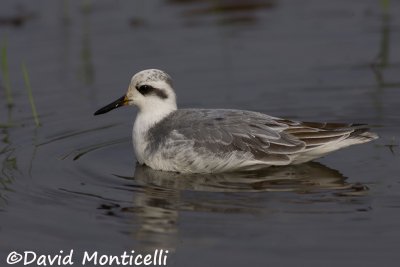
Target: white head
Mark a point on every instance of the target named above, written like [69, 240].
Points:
[150, 90]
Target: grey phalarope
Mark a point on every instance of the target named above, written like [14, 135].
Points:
[222, 140]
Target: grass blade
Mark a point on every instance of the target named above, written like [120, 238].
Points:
[30, 95]
[385, 5]
[5, 73]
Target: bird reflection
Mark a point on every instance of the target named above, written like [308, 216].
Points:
[227, 12]
[305, 177]
[165, 194]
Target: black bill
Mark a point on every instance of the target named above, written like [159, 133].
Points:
[122, 101]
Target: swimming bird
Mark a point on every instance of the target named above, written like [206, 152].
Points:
[222, 140]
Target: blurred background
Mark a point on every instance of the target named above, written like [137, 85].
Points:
[68, 179]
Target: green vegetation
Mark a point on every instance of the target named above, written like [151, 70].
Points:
[5, 73]
[30, 95]
[385, 5]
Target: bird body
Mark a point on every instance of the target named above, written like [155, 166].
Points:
[222, 140]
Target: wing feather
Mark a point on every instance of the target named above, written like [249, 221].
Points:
[227, 131]
[269, 139]
[316, 134]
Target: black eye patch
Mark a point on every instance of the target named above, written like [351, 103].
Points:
[147, 89]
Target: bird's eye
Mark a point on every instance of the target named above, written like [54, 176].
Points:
[145, 89]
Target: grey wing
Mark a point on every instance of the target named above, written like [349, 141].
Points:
[225, 131]
[272, 140]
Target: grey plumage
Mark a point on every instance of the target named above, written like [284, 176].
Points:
[221, 140]
[267, 140]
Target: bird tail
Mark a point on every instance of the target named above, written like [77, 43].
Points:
[363, 135]
[337, 136]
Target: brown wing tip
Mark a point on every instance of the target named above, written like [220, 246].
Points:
[369, 135]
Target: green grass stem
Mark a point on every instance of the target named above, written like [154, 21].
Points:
[385, 5]
[30, 95]
[5, 73]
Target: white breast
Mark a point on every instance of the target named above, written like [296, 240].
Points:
[139, 141]
[144, 121]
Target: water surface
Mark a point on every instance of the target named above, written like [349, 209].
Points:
[73, 183]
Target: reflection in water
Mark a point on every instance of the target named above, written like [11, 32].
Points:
[65, 11]
[299, 178]
[228, 11]
[7, 158]
[86, 53]
[8, 167]
[382, 61]
[158, 217]
[18, 19]
[161, 199]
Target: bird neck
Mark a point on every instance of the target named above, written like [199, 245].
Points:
[148, 117]
[145, 120]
